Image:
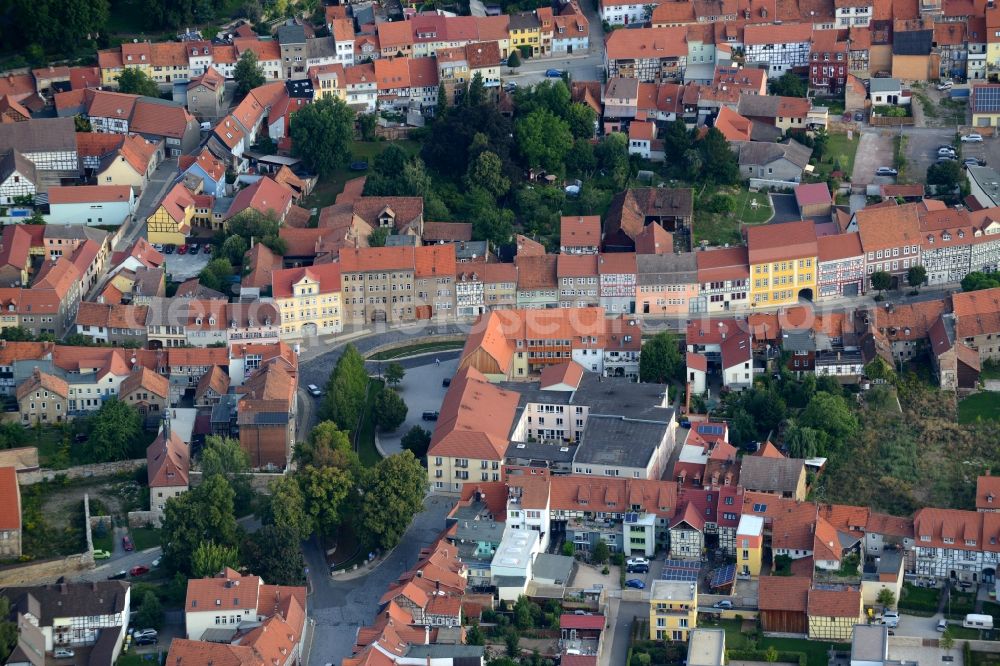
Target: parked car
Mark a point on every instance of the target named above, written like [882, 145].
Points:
[158, 247]
[193, 248]
[947, 158]
[635, 583]
[182, 249]
[890, 619]
[637, 568]
[314, 390]
[138, 633]
[63, 653]
[127, 543]
[146, 640]
[430, 416]
[972, 161]
[101, 555]
[579, 611]
[139, 570]
[886, 171]
[972, 138]
[118, 576]
[553, 73]
[725, 603]
[636, 560]
[945, 85]
[207, 249]
[946, 150]
[446, 382]
[169, 248]
[942, 624]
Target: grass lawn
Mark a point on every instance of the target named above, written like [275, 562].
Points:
[327, 189]
[412, 350]
[984, 659]
[144, 537]
[985, 405]
[817, 652]
[366, 438]
[745, 211]
[990, 370]
[919, 598]
[838, 149]
[133, 659]
[958, 632]
[716, 229]
[104, 542]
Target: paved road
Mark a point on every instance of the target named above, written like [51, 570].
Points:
[580, 66]
[341, 607]
[422, 390]
[151, 196]
[621, 614]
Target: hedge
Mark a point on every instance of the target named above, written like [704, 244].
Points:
[799, 658]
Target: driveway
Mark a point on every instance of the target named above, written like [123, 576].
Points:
[150, 198]
[341, 607]
[785, 208]
[182, 267]
[921, 151]
[874, 150]
[421, 389]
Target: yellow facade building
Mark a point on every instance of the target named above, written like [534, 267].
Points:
[526, 32]
[309, 300]
[170, 223]
[749, 545]
[783, 263]
[673, 610]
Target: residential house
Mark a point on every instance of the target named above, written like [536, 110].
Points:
[828, 62]
[617, 280]
[309, 300]
[783, 262]
[956, 364]
[91, 204]
[18, 178]
[170, 222]
[525, 30]
[783, 603]
[499, 286]
[292, 42]
[119, 325]
[834, 613]
[206, 168]
[571, 33]
[785, 113]
[673, 610]
[988, 493]
[650, 55]
[737, 361]
[580, 234]
[537, 281]
[984, 103]
[630, 211]
[42, 398]
[48, 143]
[668, 284]
[205, 93]
[912, 41]
[168, 466]
[266, 415]
[642, 141]
[10, 514]
[977, 315]
[784, 477]
[723, 277]
[778, 162]
[577, 275]
[841, 269]
[132, 164]
[148, 392]
[890, 237]
[781, 48]
[853, 13]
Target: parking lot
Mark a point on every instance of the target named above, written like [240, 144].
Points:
[921, 152]
[423, 391]
[988, 150]
[874, 151]
[182, 267]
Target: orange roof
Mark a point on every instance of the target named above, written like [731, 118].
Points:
[184, 652]
[987, 492]
[783, 593]
[266, 51]
[342, 29]
[224, 54]
[977, 312]
[434, 260]
[168, 54]
[208, 162]
[167, 460]
[107, 104]
[42, 380]
[368, 259]
[835, 603]
[732, 125]
[475, 419]
[145, 379]
[327, 275]
[891, 226]
[138, 152]
[576, 265]
[215, 379]
[395, 34]
[839, 246]
[89, 194]
[176, 202]
[536, 272]
[218, 593]
[788, 33]
[654, 239]
[720, 264]
[562, 373]
[910, 321]
[264, 196]
[696, 361]
[641, 131]
[160, 119]
[779, 242]
[10, 500]
[647, 43]
[392, 73]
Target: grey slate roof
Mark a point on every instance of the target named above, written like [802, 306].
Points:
[320, 47]
[756, 153]
[524, 21]
[39, 135]
[618, 442]
[69, 599]
[555, 567]
[778, 475]
[658, 269]
[884, 85]
[291, 34]
[14, 161]
[764, 106]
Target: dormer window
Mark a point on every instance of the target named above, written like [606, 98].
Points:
[925, 538]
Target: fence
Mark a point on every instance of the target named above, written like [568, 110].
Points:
[767, 184]
[890, 121]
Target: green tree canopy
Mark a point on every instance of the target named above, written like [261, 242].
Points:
[416, 441]
[486, 173]
[543, 139]
[286, 508]
[134, 81]
[581, 120]
[61, 26]
[321, 134]
[326, 491]
[213, 276]
[210, 558]
[946, 176]
[378, 237]
[248, 74]
[916, 276]
[394, 493]
[234, 247]
[788, 85]
[150, 611]
[225, 456]
[274, 554]
[8, 629]
[972, 282]
[830, 415]
[114, 431]
[514, 60]
[719, 162]
[204, 513]
[327, 446]
[612, 157]
[394, 373]
[660, 360]
[346, 390]
[881, 280]
[389, 410]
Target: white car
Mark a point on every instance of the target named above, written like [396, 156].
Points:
[633, 561]
[890, 619]
[972, 138]
[314, 390]
[885, 171]
[946, 151]
[63, 653]
[945, 85]
[144, 633]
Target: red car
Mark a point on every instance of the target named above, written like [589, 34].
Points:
[127, 543]
[207, 249]
[138, 570]
[182, 249]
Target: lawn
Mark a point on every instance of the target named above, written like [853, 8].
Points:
[984, 659]
[985, 405]
[817, 652]
[745, 210]
[958, 632]
[133, 659]
[413, 350]
[990, 370]
[366, 437]
[839, 149]
[144, 537]
[919, 598]
[716, 229]
[327, 189]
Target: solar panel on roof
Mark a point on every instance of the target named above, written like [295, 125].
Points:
[987, 99]
[682, 564]
[631, 517]
[680, 575]
[712, 429]
[724, 575]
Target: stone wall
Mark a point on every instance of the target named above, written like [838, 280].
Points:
[33, 574]
[258, 480]
[24, 458]
[141, 518]
[30, 477]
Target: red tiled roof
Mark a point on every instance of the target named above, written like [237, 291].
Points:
[167, 461]
[783, 593]
[779, 242]
[839, 246]
[10, 500]
[89, 194]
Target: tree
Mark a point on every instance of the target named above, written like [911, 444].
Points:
[378, 237]
[945, 176]
[916, 276]
[493, 224]
[346, 390]
[8, 629]
[442, 100]
[113, 429]
[209, 558]
[134, 81]
[543, 139]
[474, 635]
[581, 120]
[394, 373]
[476, 94]
[830, 416]
[719, 163]
[486, 172]
[213, 276]
[972, 282]
[802, 442]
[150, 611]
[325, 491]
[660, 360]
[788, 85]
[612, 157]
[580, 160]
[274, 554]
[389, 410]
[82, 124]
[601, 553]
[881, 280]
[321, 133]
[947, 640]
[393, 494]
[568, 549]
[286, 508]
[367, 123]
[327, 446]
[886, 597]
[204, 513]
[416, 441]
[771, 654]
[234, 247]
[225, 456]
[61, 26]
[880, 369]
[248, 74]
[514, 60]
